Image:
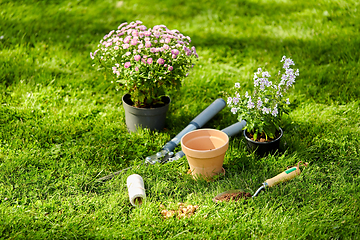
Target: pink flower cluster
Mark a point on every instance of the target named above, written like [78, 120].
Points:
[160, 43]
[133, 50]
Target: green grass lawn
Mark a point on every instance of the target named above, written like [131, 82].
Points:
[62, 123]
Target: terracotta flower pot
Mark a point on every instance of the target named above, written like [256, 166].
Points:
[152, 118]
[205, 151]
[262, 148]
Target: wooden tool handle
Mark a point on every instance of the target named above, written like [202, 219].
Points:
[284, 176]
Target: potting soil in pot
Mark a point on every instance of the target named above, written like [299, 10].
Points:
[262, 138]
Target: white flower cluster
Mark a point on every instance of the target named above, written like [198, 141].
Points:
[267, 95]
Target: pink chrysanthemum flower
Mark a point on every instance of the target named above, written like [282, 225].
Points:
[160, 61]
[137, 57]
[148, 44]
[134, 41]
[127, 64]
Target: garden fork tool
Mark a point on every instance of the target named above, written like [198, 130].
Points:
[167, 151]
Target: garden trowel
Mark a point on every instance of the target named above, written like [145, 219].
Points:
[238, 193]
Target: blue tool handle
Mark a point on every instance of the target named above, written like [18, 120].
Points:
[208, 113]
[179, 154]
[234, 129]
[197, 122]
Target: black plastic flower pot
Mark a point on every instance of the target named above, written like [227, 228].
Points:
[152, 118]
[262, 148]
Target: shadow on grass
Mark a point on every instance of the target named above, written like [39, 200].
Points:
[323, 52]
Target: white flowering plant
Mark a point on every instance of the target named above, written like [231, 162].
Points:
[262, 110]
[147, 63]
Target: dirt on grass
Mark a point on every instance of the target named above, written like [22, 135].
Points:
[236, 196]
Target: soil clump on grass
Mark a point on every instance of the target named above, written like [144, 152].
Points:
[233, 196]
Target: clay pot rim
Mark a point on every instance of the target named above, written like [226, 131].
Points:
[263, 143]
[226, 144]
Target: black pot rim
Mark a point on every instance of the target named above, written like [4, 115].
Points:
[263, 143]
[127, 95]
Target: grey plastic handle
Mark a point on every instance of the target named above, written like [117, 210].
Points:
[230, 131]
[179, 155]
[235, 128]
[209, 113]
[197, 122]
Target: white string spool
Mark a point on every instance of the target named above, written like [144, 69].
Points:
[136, 189]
